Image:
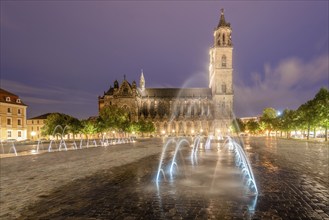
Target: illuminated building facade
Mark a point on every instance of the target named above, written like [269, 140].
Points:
[184, 111]
[12, 116]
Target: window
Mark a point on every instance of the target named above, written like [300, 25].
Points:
[19, 122]
[8, 134]
[8, 110]
[19, 111]
[223, 61]
[8, 121]
[8, 99]
[18, 100]
[19, 134]
[38, 122]
[223, 88]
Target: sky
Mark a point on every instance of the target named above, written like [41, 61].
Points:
[59, 56]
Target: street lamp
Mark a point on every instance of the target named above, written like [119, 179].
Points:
[33, 133]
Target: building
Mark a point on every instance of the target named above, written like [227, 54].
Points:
[12, 116]
[184, 111]
[34, 126]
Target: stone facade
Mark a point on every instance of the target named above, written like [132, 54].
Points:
[12, 116]
[184, 111]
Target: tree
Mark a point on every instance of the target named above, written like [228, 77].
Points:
[75, 126]
[146, 126]
[306, 116]
[89, 127]
[287, 121]
[269, 119]
[59, 124]
[134, 127]
[253, 126]
[113, 118]
[321, 102]
[238, 125]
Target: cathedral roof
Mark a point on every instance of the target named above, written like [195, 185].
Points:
[176, 92]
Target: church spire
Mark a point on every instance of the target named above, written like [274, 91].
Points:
[222, 22]
[142, 81]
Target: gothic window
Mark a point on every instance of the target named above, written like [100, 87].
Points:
[152, 109]
[180, 127]
[224, 88]
[223, 61]
[161, 109]
[125, 91]
[223, 39]
[218, 40]
[165, 127]
[144, 109]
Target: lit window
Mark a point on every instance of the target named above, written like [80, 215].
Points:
[8, 99]
[8, 121]
[19, 133]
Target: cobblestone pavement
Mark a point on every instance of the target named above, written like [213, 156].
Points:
[292, 179]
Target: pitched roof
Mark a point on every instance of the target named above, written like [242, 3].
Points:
[222, 22]
[13, 99]
[176, 92]
[44, 116]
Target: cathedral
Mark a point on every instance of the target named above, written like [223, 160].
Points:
[184, 111]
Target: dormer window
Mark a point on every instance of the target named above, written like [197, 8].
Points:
[18, 100]
[8, 99]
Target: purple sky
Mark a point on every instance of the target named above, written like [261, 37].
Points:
[60, 56]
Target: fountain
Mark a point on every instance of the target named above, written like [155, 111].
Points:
[220, 169]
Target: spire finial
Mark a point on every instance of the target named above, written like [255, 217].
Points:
[222, 11]
[124, 76]
[142, 81]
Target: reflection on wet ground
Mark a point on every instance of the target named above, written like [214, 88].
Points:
[209, 189]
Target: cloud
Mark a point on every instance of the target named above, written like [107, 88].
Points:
[49, 95]
[287, 85]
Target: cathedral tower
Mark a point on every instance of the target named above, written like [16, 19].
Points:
[221, 75]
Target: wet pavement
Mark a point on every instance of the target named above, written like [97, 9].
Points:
[292, 179]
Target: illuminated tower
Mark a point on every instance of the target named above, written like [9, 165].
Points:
[221, 75]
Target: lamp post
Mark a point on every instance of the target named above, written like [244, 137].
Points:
[33, 133]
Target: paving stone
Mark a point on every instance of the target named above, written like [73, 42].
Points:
[118, 183]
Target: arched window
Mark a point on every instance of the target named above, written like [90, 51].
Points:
[125, 91]
[223, 61]
[223, 88]
[144, 109]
